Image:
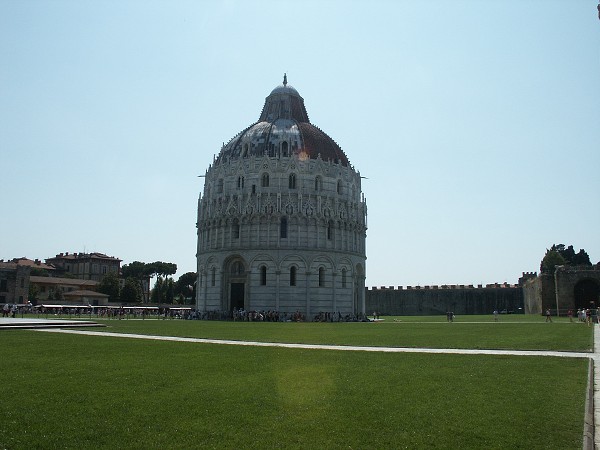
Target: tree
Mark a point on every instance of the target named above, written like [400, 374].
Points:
[56, 294]
[582, 259]
[33, 292]
[169, 290]
[157, 295]
[186, 285]
[143, 272]
[162, 269]
[164, 291]
[109, 285]
[552, 258]
[38, 272]
[560, 255]
[131, 291]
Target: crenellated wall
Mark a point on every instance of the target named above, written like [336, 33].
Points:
[431, 300]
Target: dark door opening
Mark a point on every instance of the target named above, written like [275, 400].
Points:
[237, 296]
[586, 294]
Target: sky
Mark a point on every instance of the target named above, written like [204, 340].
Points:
[476, 123]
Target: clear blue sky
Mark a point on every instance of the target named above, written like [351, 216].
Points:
[477, 123]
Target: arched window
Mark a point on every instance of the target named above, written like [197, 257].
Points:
[293, 276]
[213, 276]
[235, 230]
[220, 186]
[263, 275]
[321, 277]
[283, 228]
[245, 150]
[265, 180]
[318, 184]
[339, 187]
[329, 230]
[271, 150]
[292, 181]
[344, 276]
[284, 149]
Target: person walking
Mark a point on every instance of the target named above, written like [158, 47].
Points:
[548, 315]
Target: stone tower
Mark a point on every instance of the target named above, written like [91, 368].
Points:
[282, 219]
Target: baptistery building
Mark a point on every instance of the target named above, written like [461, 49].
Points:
[282, 219]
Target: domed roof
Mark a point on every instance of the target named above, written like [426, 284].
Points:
[283, 129]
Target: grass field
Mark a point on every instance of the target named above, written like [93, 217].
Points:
[71, 391]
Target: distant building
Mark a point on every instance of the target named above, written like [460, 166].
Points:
[48, 286]
[35, 265]
[14, 283]
[85, 266]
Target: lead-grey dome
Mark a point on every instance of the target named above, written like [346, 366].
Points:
[284, 130]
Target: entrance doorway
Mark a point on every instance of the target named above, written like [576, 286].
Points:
[586, 292]
[237, 296]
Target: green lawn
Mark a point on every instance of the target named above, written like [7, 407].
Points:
[71, 391]
[479, 332]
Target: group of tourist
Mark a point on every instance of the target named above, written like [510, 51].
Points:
[242, 315]
[586, 315]
[9, 310]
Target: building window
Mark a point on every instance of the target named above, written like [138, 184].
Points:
[283, 228]
[240, 183]
[329, 230]
[284, 149]
[220, 186]
[213, 276]
[344, 274]
[339, 187]
[236, 230]
[318, 184]
[263, 275]
[265, 180]
[22, 282]
[292, 181]
[245, 150]
[321, 277]
[293, 276]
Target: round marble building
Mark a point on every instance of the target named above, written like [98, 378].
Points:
[282, 220]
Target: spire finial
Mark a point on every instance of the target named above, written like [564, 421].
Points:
[285, 79]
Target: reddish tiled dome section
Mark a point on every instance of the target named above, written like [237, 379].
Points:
[284, 130]
[316, 143]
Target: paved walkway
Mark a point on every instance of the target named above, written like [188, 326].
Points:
[329, 347]
[596, 358]
[18, 322]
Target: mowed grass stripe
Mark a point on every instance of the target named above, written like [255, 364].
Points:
[557, 336]
[73, 391]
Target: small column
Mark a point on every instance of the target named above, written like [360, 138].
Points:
[307, 293]
[278, 276]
